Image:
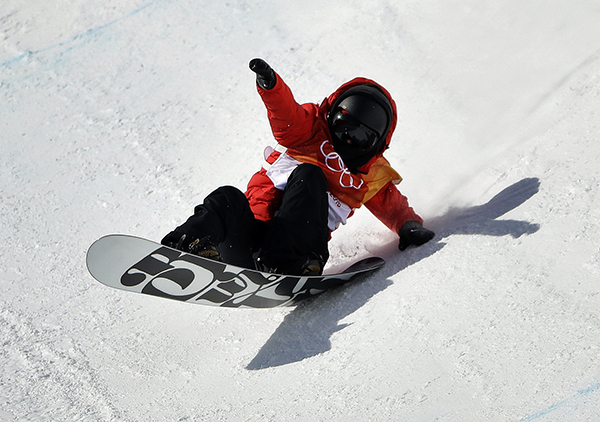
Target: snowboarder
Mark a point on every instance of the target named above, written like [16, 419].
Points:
[328, 162]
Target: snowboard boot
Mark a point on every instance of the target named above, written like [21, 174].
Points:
[200, 247]
[313, 266]
[263, 266]
[205, 248]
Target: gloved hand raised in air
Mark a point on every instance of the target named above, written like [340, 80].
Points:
[413, 233]
[265, 76]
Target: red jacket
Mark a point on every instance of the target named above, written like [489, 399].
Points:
[302, 134]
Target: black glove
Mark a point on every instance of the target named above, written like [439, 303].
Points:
[413, 233]
[265, 76]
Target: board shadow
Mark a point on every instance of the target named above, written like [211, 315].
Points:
[306, 331]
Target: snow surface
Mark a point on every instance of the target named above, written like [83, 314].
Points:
[120, 116]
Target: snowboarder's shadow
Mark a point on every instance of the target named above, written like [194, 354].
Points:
[306, 331]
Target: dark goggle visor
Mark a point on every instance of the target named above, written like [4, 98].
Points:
[351, 131]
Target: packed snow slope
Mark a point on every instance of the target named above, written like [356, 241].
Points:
[120, 116]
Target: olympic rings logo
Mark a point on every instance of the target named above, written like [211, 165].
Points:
[334, 162]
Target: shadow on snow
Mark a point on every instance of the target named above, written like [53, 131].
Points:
[307, 329]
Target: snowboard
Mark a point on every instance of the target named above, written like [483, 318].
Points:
[144, 266]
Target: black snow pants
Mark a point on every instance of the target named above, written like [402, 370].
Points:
[298, 231]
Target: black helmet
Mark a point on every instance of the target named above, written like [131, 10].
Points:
[359, 121]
